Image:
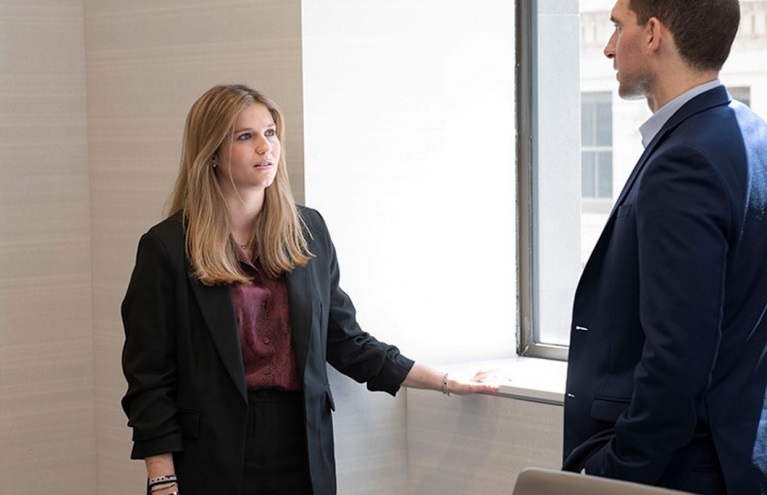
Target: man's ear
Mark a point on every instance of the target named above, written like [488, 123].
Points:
[653, 32]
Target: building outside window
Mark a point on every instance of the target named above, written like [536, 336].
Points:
[597, 147]
[741, 94]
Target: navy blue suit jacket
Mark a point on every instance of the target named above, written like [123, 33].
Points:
[667, 364]
[183, 363]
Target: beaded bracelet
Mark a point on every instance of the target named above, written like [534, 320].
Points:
[445, 385]
[161, 487]
[160, 480]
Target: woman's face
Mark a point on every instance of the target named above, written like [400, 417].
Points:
[247, 159]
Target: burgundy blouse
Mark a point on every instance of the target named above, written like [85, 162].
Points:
[263, 319]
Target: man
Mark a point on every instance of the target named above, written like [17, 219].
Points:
[668, 352]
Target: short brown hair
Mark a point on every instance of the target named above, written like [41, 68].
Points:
[703, 30]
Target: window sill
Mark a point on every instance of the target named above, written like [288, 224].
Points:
[532, 379]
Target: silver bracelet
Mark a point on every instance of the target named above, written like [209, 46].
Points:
[445, 384]
[161, 479]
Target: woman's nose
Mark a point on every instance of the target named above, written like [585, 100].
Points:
[262, 145]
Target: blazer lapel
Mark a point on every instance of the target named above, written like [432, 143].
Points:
[299, 282]
[607, 230]
[711, 98]
[218, 312]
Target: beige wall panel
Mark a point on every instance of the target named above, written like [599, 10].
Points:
[370, 438]
[477, 444]
[46, 417]
[47, 424]
[147, 63]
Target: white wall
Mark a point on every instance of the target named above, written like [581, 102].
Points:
[409, 141]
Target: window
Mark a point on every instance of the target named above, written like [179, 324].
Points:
[741, 94]
[549, 175]
[577, 144]
[569, 120]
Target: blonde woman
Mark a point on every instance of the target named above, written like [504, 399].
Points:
[232, 312]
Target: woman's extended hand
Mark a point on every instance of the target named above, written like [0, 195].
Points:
[462, 383]
[459, 383]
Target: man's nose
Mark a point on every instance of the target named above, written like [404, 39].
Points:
[609, 50]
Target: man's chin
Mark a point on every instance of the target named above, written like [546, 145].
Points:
[631, 93]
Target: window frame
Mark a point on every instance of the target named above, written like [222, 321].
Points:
[527, 120]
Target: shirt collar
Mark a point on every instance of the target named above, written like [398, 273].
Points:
[654, 124]
[242, 257]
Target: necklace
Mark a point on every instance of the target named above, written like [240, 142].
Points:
[244, 246]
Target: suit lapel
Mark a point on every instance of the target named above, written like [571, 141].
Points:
[218, 312]
[607, 230]
[299, 282]
[711, 98]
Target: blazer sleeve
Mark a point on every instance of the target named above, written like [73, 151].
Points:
[148, 358]
[683, 223]
[351, 350]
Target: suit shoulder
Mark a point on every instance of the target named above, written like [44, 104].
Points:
[307, 213]
[169, 233]
[312, 219]
[751, 123]
[172, 226]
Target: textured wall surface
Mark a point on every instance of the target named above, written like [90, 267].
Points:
[47, 425]
[477, 444]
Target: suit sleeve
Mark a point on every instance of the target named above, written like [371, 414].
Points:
[148, 359]
[351, 350]
[683, 216]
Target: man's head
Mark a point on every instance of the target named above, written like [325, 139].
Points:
[660, 47]
[703, 30]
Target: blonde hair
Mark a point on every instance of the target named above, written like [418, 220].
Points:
[279, 230]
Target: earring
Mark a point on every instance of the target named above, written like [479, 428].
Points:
[214, 164]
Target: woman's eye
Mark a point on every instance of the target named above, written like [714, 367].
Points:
[270, 132]
[244, 136]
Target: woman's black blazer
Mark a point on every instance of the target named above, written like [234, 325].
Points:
[182, 360]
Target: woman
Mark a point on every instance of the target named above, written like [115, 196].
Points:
[232, 312]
